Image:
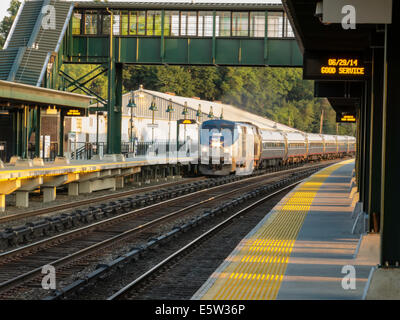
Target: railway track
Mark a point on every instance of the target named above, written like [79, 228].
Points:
[76, 204]
[82, 250]
[23, 231]
[133, 290]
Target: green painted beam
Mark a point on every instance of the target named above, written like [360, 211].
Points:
[202, 51]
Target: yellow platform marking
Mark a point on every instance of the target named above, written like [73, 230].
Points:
[81, 168]
[258, 270]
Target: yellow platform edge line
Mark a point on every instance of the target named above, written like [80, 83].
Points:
[250, 277]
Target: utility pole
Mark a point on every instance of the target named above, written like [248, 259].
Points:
[322, 121]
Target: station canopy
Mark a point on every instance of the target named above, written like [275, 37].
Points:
[14, 94]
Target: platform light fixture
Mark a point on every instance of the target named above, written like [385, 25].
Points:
[185, 113]
[131, 105]
[211, 113]
[153, 108]
[185, 110]
[170, 110]
[199, 114]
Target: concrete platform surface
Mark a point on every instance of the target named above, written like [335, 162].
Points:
[384, 284]
[77, 166]
[303, 249]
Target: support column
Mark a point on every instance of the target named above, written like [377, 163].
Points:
[114, 113]
[18, 133]
[37, 132]
[73, 189]
[375, 154]
[25, 130]
[367, 137]
[119, 183]
[49, 194]
[61, 135]
[22, 199]
[390, 215]
[2, 202]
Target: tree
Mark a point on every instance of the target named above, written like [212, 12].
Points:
[6, 23]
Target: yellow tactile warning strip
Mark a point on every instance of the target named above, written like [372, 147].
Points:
[256, 269]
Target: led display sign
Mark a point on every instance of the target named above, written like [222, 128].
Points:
[345, 117]
[335, 67]
[75, 112]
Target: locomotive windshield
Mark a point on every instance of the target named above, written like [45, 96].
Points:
[218, 125]
[217, 133]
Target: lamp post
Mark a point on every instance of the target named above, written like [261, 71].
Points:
[222, 114]
[131, 105]
[169, 110]
[153, 109]
[185, 113]
[199, 114]
[211, 113]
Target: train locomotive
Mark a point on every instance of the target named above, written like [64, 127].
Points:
[233, 147]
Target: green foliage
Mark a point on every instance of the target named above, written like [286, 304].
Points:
[6, 23]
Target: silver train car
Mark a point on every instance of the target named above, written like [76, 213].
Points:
[228, 147]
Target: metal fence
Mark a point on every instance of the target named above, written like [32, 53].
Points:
[86, 150]
[46, 155]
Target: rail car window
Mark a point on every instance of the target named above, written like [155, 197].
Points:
[296, 145]
[273, 145]
[316, 145]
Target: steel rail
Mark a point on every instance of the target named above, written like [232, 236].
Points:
[18, 216]
[195, 242]
[120, 237]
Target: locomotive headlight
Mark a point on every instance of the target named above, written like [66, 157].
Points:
[216, 144]
[226, 150]
[204, 149]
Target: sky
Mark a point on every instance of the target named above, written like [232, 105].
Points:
[4, 4]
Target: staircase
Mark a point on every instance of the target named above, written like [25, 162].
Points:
[29, 46]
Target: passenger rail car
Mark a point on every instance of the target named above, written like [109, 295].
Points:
[240, 147]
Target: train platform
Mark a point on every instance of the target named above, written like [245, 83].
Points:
[22, 176]
[303, 249]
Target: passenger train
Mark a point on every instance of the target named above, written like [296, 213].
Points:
[228, 147]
